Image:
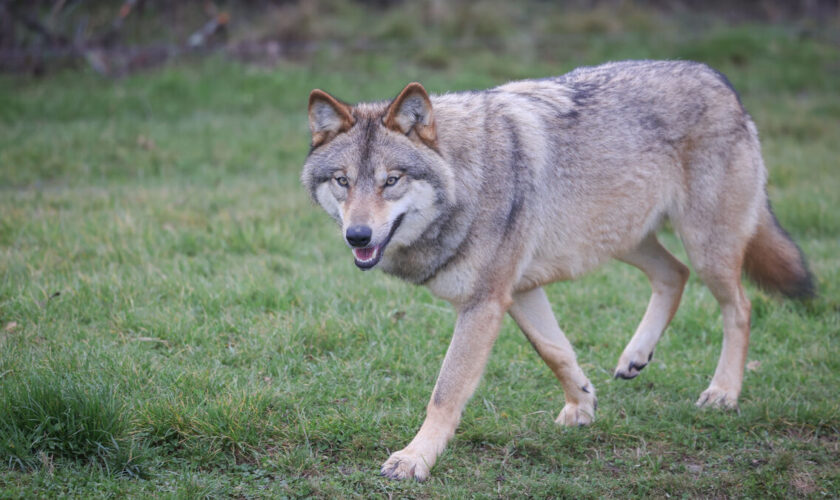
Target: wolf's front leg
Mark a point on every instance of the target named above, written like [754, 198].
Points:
[476, 330]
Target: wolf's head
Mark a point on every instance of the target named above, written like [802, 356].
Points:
[376, 169]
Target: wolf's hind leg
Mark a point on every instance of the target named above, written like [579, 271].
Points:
[719, 219]
[532, 312]
[724, 281]
[667, 277]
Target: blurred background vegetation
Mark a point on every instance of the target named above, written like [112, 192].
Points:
[118, 37]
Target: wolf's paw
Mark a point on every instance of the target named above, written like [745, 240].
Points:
[718, 397]
[582, 412]
[576, 415]
[405, 465]
[631, 364]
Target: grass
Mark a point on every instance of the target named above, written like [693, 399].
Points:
[177, 319]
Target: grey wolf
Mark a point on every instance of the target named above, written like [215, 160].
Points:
[486, 196]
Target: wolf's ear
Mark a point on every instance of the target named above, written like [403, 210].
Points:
[411, 112]
[328, 117]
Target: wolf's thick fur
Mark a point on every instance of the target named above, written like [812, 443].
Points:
[486, 196]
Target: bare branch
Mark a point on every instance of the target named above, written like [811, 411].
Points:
[33, 25]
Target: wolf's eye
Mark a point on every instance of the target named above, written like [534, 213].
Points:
[390, 181]
[342, 181]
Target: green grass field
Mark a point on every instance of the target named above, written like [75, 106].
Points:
[177, 319]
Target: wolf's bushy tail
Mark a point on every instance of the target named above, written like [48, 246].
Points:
[775, 263]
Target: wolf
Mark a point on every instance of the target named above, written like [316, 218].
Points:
[486, 196]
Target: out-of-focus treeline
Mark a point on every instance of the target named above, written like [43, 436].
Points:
[117, 37]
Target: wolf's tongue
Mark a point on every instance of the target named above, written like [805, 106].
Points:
[364, 253]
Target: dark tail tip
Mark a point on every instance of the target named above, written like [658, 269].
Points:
[802, 288]
[776, 263]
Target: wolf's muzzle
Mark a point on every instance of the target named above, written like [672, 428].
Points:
[367, 257]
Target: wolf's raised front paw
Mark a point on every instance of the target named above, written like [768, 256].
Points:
[631, 364]
[405, 465]
[718, 397]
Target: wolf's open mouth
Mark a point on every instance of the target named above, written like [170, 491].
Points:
[368, 257]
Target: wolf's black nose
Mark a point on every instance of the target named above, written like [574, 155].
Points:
[358, 236]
